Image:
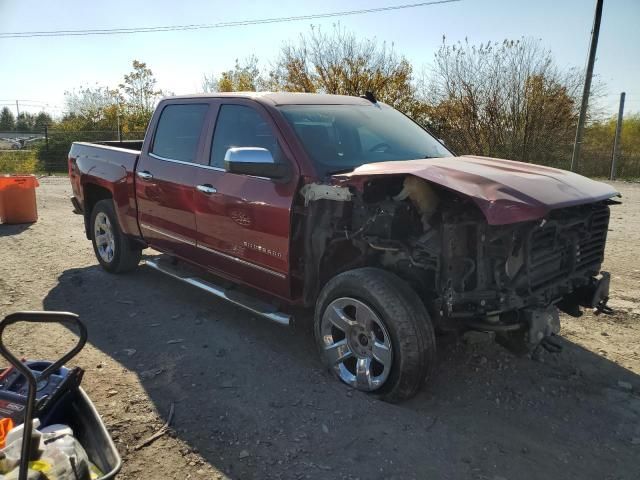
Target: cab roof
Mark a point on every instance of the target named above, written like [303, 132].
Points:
[283, 98]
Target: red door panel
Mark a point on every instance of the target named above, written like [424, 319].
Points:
[244, 227]
[165, 176]
[165, 205]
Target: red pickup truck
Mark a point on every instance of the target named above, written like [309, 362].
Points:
[279, 200]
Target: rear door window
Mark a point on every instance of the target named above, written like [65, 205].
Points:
[178, 132]
[241, 126]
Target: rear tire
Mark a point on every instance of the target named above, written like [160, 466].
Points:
[115, 252]
[370, 320]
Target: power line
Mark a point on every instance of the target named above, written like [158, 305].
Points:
[33, 105]
[238, 23]
[29, 102]
[21, 100]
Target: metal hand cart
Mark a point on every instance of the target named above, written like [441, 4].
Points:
[73, 408]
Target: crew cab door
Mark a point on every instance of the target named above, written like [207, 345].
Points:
[166, 177]
[243, 222]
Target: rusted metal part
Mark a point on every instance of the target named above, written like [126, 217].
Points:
[318, 191]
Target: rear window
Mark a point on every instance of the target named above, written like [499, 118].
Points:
[178, 132]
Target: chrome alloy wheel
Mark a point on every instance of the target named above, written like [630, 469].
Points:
[355, 343]
[103, 233]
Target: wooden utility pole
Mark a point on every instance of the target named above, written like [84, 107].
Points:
[595, 33]
[616, 142]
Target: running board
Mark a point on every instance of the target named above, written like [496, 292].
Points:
[240, 299]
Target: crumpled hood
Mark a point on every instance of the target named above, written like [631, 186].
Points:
[505, 191]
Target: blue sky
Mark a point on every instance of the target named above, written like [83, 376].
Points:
[41, 69]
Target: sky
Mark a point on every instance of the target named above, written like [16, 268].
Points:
[38, 71]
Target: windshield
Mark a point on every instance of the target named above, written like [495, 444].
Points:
[339, 138]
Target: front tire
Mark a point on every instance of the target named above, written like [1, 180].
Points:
[374, 333]
[115, 252]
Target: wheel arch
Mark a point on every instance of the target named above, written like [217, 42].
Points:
[347, 255]
[125, 254]
[93, 193]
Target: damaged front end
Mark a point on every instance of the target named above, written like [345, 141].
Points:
[509, 278]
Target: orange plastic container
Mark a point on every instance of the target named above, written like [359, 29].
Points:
[18, 199]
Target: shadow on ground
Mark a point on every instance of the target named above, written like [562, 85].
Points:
[9, 230]
[252, 397]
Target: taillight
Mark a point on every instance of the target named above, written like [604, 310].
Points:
[72, 165]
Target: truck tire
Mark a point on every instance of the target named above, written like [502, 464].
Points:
[375, 334]
[115, 252]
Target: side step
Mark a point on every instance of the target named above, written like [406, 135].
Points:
[240, 299]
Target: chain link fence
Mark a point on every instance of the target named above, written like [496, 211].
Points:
[52, 154]
[46, 151]
[596, 162]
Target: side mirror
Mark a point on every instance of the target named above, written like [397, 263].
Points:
[255, 161]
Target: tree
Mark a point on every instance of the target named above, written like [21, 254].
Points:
[629, 164]
[91, 108]
[598, 148]
[7, 120]
[25, 122]
[42, 119]
[244, 77]
[102, 108]
[94, 113]
[139, 91]
[340, 63]
[505, 99]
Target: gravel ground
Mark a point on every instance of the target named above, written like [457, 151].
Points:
[252, 400]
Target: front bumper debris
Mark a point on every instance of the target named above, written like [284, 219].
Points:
[600, 295]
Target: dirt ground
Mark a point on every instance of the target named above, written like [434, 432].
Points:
[252, 400]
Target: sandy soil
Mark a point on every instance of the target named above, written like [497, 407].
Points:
[252, 400]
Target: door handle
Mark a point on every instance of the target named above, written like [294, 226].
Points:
[206, 188]
[144, 175]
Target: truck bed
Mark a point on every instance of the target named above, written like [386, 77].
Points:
[107, 167]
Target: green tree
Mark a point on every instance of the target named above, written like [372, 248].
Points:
[7, 120]
[42, 119]
[25, 122]
[629, 162]
[598, 147]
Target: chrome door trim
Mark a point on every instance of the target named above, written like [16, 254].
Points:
[181, 162]
[241, 261]
[199, 165]
[172, 236]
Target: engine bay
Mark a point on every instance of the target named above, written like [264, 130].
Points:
[466, 271]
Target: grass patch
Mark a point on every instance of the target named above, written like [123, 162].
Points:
[19, 161]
